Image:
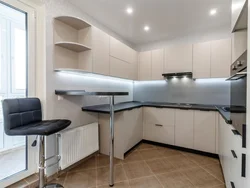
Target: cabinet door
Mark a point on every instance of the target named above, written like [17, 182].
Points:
[202, 60]
[184, 128]
[100, 52]
[221, 58]
[121, 51]
[163, 116]
[134, 128]
[145, 65]
[157, 64]
[178, 58]
[239, 44]
[119, 68]
[204, 131]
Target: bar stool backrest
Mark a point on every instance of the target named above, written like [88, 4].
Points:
[21, 112]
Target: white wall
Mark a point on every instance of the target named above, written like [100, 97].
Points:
[70, 107]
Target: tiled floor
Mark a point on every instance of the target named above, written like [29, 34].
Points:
[148, 166]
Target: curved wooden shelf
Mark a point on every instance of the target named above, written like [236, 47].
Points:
[74, 22]
[73, 46]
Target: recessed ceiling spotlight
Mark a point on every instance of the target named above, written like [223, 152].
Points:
[146, 28]
[129, 10]
[213, 12]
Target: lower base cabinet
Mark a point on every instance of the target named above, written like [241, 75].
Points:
[184, 128]
[230, 153]
[128, 131]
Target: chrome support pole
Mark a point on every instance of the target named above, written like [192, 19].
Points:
[111, 142]
[41, 162]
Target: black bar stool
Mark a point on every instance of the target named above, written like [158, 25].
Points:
[23, 117]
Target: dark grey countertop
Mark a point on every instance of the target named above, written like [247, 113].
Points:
[105, 108]
[83, 92]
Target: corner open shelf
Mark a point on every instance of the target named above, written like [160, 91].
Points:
[73, 46]
[74, 22]
[72, 40]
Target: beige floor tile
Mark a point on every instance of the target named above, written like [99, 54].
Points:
[202, 160]
[159, 166]
[181, 162]
[167, 152]
[83, 179]
[103, 175]
[200, 178]
[144, 146]
[103, 161]
[220, 186]
[60, 180]
[174, 180]
[133, 157]
[32, 181]
[124, 184]
[215, 170]
[88, 164]
[150, 154]
[147, 182]
[137, 170]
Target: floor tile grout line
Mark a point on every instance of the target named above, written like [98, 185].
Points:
[154, 174]
[211, 174]
[126, 175]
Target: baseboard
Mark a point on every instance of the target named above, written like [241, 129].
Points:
[216, 156]
[127, 152]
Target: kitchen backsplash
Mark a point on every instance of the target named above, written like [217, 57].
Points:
[184, 90]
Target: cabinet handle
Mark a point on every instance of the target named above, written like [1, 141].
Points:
[244, 136]
[232, 184]
[235, 132]
[158, 125]
[234, 154]
[243, 165]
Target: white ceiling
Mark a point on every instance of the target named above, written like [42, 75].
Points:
[168, 19]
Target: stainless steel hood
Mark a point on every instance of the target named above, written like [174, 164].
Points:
[178, 75]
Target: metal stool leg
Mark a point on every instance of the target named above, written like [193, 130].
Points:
[41, 162]
[42, 167]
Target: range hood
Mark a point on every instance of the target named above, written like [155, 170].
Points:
[178, 75]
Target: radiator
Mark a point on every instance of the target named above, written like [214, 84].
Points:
[78, 143]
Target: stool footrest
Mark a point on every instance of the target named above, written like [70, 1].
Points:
[58, 160]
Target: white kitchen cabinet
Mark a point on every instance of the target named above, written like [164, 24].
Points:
[184, 128]
[205, 131]
[178, 58]
[100, 52]
[239, 15]
[157, 64]
[231, 165]
[202, 60]
[158, 125]
[221, 57]
[145, 65]
[239, 44]
[121, 51]
[133, 127]
[119, 68]
[128, 129]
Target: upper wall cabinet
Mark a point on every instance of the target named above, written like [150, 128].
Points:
[239, 44]
[100, 44]
[72, 37]
[178, 58]
[201, 60]
[121, 51]
[239, 15]
[145, 68]
[157, 64]
[221, 57]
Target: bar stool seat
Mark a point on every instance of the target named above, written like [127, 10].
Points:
[23, 117]
[44, 128]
